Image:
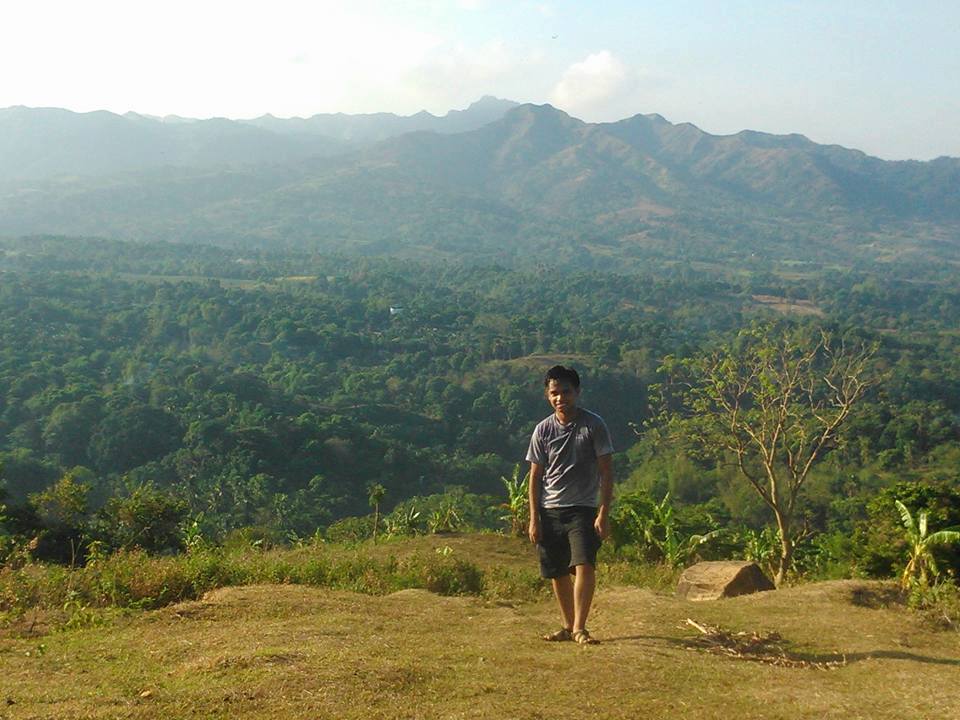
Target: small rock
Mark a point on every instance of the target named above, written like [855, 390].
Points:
[146, 694]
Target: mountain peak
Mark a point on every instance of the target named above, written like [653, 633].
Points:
[544, 114]
[480, 112]
[491, 101]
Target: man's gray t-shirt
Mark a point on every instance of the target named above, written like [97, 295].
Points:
[568, 455]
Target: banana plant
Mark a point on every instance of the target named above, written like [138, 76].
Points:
[517, 506]
[762, 547]
[922, 566]
[660, 531]
[404, 522]
[446, 519]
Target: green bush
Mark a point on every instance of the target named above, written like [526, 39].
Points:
[939, 604]
[453, 510]
[147, 518]
[314, 571]
[452, 577]
[626, 527]
[881, 549]
[32, 586]
[351, 530]
[133, 579]
[826, 556]
[252, 537]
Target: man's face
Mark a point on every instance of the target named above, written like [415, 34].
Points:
[562, 396]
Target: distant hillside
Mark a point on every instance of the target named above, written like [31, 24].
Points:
[374, 127]
[534, 181]
[43, 143]
[47, 143]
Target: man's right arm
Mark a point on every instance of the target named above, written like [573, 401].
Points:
[536, 475]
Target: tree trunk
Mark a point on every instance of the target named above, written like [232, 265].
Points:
[786, 549]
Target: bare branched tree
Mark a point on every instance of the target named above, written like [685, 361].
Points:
[773, 404]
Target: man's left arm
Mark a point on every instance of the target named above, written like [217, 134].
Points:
[602, 523]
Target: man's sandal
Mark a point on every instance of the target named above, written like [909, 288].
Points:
[560, 635]
[582, 637]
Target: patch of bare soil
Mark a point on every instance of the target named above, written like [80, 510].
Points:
[786, 305]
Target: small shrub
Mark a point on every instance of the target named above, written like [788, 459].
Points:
[252, 537]
[315, 571]
[212, 568]
[939, 604]
[77, 614]
[405, 520]
[350, 530]
[132, 579]
[452, 577]
[32, 586]
[626, 525]
[826, 556]
[360, 574]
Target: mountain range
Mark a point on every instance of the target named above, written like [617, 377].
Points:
[496, 181]
[42, 143]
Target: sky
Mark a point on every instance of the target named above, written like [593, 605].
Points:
[882, 76]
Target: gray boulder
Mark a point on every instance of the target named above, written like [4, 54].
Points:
[722, 578]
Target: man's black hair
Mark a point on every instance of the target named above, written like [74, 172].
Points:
[562, 374]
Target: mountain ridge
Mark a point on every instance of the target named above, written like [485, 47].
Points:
[43, 143]
[533, 179]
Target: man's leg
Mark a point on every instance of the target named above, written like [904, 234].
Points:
[554, 550]
[563, 588]
[582, 591]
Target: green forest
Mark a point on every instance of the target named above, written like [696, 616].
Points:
[158, 395]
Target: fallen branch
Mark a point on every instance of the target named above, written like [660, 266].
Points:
[758, 647]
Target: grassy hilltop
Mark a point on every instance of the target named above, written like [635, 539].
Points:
[846, 649]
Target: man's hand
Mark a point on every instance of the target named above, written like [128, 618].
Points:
[602, 525]
[533, 531]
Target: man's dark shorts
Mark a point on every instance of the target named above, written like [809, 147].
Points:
[567, 539]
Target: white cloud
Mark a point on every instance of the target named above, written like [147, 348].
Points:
[596, 87]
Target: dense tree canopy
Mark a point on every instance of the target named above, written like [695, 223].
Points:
[257, 388]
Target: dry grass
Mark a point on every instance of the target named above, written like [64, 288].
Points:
[486, 550]
[283, 651]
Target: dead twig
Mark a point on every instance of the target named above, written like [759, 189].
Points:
[758, 647]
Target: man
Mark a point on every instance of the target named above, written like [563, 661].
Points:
[570, 465]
